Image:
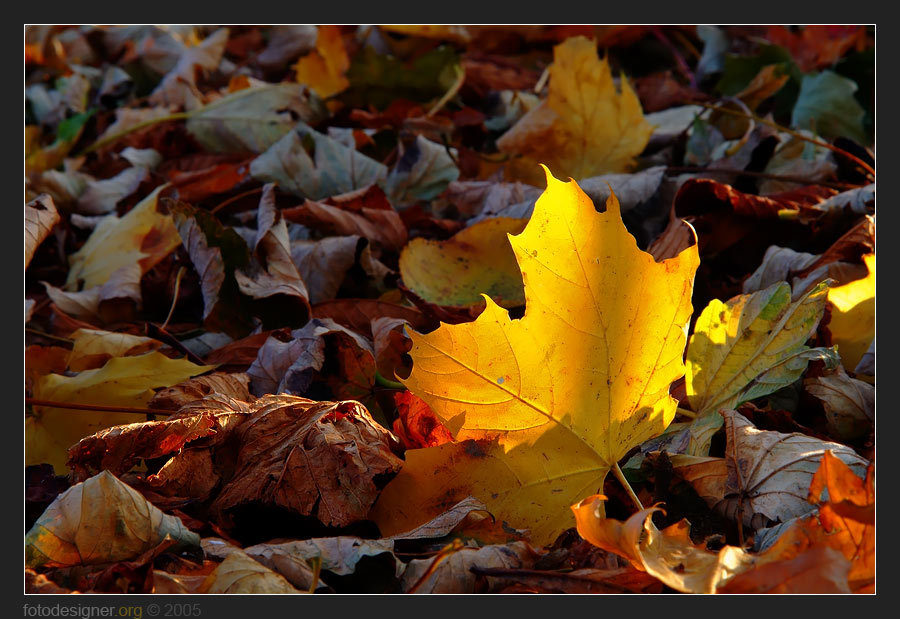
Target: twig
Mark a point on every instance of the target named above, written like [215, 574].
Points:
[683, 67]
[47, 335]
[789, 131]
[457, 84]
[621, 477]
[97, 407]
[158, 333]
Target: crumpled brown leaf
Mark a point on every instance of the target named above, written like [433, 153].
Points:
[232, 384]
[97, 521]
[322, 459]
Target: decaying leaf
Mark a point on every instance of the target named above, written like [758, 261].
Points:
[423, 171]
[234, 385]
[852, 322]
[314, 459]
[584, 127]
[476, 260]
[454, 573]
[532, 432]
[97, 521]
[382, 226]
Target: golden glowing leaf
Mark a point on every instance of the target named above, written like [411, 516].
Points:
[852, 323]
[585, 127]
[94, 347]
[323, 68]
[123, 381]
[476, 260]
[544, 406]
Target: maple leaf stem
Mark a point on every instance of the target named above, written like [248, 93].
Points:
[621, 477]
[686, 413]
[386, 382]
[457, 84]
[97, 407]
[789, 131]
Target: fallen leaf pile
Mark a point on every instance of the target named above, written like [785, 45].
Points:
[449, 309]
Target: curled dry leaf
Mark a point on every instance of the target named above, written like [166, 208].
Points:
[100, 520]
[179, 86]
[358, 314]
[101, 197]
[101, 302]
[40, 217]
[321, 459]
[476, 260]
[339, 555]
[530, 430]
[279, 276]
[849, 403]
[818, 570]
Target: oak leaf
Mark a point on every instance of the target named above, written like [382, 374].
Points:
[543, 407]
[584, 127]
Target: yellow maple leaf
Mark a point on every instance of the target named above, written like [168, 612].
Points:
[323, 68]
[543, 407]
[852, 323]
[584, 127]
[122, 381]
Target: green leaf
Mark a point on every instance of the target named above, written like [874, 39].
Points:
[380, 79]
[69, 129]
[827, 106]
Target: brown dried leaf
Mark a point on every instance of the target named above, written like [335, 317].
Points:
[818, 570]
[453, 574]
[391, 344]
[239, 573]
[358, 314]
[416, 425]
[323, 264]
[312, 458]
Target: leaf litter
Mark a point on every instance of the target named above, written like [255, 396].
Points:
[304, 314]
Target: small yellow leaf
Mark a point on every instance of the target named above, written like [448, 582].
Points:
[852, 323]
[545, 405]
[476, 260]
[323, 69]
[142, 236]
[123, 381]
[585, 127]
